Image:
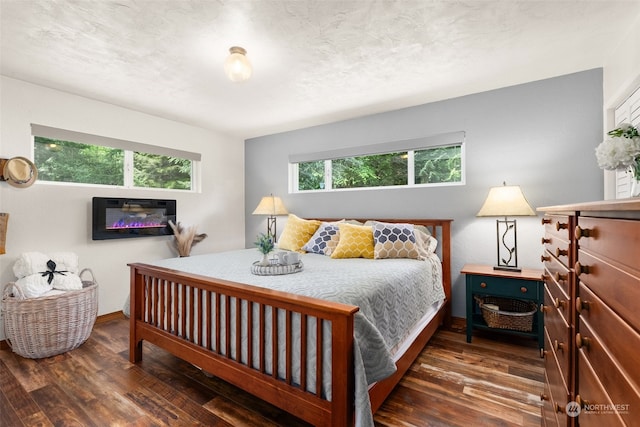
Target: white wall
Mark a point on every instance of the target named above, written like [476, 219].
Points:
[621, 77]
[48, 217]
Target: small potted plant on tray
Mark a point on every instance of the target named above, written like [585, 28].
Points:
[265, 245]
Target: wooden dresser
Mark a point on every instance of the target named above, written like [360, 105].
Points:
[592, 314]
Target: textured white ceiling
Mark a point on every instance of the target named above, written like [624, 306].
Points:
[314, 61]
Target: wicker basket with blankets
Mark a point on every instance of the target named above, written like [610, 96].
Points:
[51, 307]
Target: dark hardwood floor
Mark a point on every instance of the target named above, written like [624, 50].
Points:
[490, 382]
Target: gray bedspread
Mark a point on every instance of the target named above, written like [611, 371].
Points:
[393, 295]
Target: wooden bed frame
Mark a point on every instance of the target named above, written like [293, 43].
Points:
[153, 308]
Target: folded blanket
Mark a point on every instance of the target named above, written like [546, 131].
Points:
[66, 261]
[34, 286]
[68, 282]
[36, 262]
[37, 285]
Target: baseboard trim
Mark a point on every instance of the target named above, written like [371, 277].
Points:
[458, 324]
[116, 315]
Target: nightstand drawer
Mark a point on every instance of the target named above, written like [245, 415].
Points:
[505, 287]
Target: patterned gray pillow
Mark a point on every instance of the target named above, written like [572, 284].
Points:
[394, 241]
[324, 240]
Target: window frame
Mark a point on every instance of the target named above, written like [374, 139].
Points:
[129, 148]
[418, 144]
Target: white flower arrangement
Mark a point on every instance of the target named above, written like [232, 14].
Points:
[621, 151]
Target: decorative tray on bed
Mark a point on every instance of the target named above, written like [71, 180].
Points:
[275, 269]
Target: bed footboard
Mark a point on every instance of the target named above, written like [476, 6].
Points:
[196, 317]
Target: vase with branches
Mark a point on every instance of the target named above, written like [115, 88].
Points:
[185, 238]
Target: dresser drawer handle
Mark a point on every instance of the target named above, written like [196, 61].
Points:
[543, 353]
[545, 258]
[544, 277]
[557, 303]
[581, 402]
[557, 346]
[543, 397]
[546, 220]
[559, 409]
[545, 240]
[582, 269]
[580, 232]
[582, 305]
[561, 226]
[561, 252]
[560, 277]
[582, 342]
[483, 285]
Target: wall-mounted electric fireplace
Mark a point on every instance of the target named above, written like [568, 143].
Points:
[115, 218]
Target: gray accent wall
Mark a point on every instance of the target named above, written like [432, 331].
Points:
[540, 135]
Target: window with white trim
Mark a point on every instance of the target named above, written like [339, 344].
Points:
[435, 160]
[75, 157]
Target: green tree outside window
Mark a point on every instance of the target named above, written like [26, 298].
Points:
[434, 165]
[67, 161]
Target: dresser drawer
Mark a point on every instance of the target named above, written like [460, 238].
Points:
[613, 239]
[558, 226]
[505, 287]
[610, 344]
[559, 248]
[560, 340]
[558, 280]
[617, 288]
[592, 393]
[619, 388]
[549, 417]
[557, 387]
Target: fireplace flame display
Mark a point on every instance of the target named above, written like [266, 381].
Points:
[115, 218]
[142, 220]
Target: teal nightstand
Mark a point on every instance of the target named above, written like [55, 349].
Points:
[484, 281]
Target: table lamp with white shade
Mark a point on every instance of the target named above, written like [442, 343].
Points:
[271, 206]
[506, 201]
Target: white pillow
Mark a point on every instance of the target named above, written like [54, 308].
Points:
[426, 243]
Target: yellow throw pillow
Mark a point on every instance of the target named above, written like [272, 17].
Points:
[297, 232]
[356, 241]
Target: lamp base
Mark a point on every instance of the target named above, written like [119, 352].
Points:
[271, 227]
[506, 268]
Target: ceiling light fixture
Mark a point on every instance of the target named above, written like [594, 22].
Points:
[237, 66]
